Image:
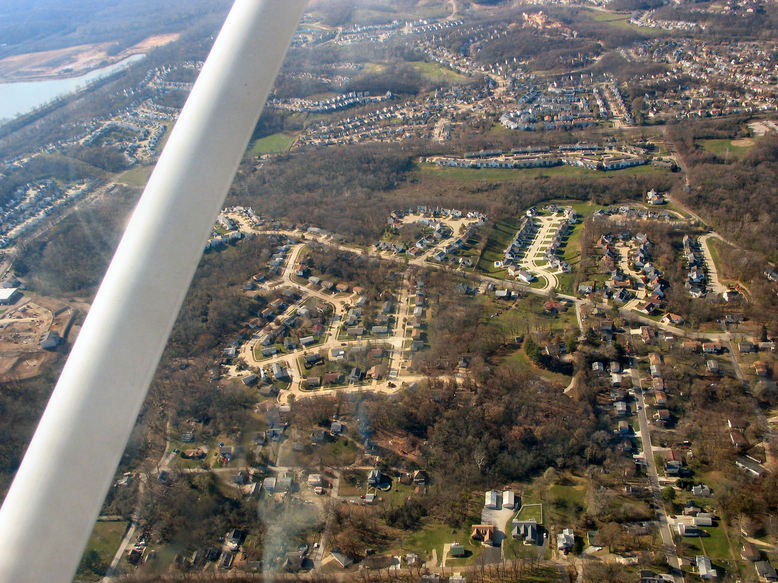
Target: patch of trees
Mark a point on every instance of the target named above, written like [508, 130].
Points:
[543, 360]
[737, 195]
[544, 52]
[614, 64]
[507, 428]
[375, 277]
[215, 305]
[406, 516]
[102, 157]
[338, 189]
[357, 528]
[633, 5]
[21, 405]
[74, 256]
[194, 512]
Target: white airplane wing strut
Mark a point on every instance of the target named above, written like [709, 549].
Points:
[50, 510]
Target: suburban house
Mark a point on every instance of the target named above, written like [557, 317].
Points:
[342, 560]
[749, 552]
[486, 533]
[374, 477]
[688, 530]
[705, 568]
[750, 466]
[526, 531]
[765, 571]
[565, 540]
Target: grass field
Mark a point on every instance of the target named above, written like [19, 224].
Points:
[437, 73]
[497, 240]
[105, 539]
[433, 536]
[566, 283]
[279, 142]
[524, 173]
[531, 511]
[727, 148]
[136, 176]
[715, 545]
[373, 68]
[621, 20]
[520, 359]
[568, 502]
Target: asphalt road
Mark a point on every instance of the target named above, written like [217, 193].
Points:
[668, 544]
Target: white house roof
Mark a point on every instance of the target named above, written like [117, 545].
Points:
[7, 293]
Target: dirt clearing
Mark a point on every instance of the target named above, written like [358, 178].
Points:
[73, 61]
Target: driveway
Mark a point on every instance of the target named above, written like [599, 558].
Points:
[499, 518]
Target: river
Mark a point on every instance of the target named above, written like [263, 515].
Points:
[23, 97]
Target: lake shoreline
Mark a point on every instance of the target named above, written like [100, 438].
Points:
[20, 98]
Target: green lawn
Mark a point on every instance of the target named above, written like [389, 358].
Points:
[716, 546]
[279, 142]
[726, 148]
[163, 140]
[573, 494]
[529, 511]
[433, 536]
[520, 359]
[437, 73]
[104, 541]
[525, 173]
[566, 282]
[497, 240]
[398, 494]
[373, 68]
[539, 283]
[616, 19]
[715, 248]
[621, 20]
[469, 173]
[136, 176]
[568, 502]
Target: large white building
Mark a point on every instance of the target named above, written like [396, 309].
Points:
[8, 295]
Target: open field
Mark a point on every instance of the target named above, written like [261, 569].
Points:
[137, 176]
[727, 148]
[433, 536]
[104, 541]
[531, 511]
[73, 61]
[498, 239]
[621, 20]
[524, 173]
[279, 142]
[437, 73]
[521, 360]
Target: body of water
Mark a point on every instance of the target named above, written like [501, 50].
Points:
[19, 98]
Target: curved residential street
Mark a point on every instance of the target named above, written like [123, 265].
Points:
[714, 283]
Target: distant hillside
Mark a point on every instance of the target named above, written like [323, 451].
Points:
[39, 25]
